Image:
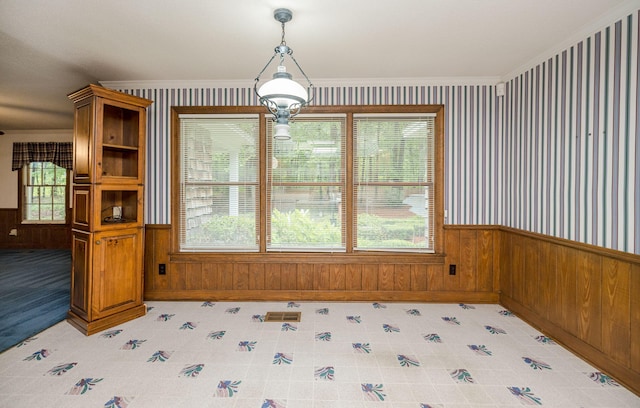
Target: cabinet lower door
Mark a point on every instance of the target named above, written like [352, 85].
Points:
[117, 272]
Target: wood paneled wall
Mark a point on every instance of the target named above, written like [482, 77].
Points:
[327, 276]
[32, 236]
[586, 297]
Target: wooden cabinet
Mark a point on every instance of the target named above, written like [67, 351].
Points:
[108, 206]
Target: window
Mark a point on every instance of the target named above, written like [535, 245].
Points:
[305, 185]
[393, 176]
[44, 193]
[219, 188]
[350, 179]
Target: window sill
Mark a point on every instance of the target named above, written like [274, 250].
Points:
[35, 223]
[309, 257]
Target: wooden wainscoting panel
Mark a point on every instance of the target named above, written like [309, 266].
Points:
[216, 277]
[240, 276]
[272, 277]
[321, 277]
[418, 278]
[518, 268]
[435, 277]
[505, 279]
[257, 276]
[402, 278]
[156, 247]
[566, 289]
[210, 277]
[498, 251]
[467, 268]
[226, 276]
[178, 277]
[386, 277]
[452, 252]
[337, 277]
[616, 309]
[289, 276]
[531, 276]
[545, 300]
[589, 285]
[305, 276]
[193, 276]
[353, 277]
[485, 260]
[369, 277]
[634, 289]
[150, 261]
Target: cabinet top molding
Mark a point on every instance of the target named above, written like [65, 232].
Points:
[97, 90]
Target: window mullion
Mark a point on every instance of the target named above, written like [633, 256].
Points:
[264, 183]
[350, 215]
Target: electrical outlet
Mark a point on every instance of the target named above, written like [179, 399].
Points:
[162, 269]
[452, 269]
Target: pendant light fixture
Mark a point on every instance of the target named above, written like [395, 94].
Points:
[283, 97]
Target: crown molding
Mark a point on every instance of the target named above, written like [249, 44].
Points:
[325, 82]
[616, 13]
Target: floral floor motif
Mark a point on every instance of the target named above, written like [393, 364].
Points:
[355, 355]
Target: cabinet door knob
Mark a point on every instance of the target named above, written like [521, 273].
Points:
[98, 242]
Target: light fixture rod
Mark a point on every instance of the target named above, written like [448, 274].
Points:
[303, 74]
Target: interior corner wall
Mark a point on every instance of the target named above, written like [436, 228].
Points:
[473, 193]
[571, 136]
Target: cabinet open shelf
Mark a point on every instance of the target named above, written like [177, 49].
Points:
[106, 207]
[120, 126]
[119, 161]
[126, 201]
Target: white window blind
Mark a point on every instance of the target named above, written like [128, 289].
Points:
[219, 192]
[394, 165]
[306, 182]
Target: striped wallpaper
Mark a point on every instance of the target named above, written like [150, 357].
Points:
[571, 133]
[557, 154]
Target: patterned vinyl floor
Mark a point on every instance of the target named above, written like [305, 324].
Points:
[223, 354]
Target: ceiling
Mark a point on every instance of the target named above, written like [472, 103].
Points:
[51, 48]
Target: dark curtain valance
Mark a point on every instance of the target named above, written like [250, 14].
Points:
[60, 154]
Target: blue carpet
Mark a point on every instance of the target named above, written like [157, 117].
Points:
[34, 292]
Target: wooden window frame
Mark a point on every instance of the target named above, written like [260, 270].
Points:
[349, 110]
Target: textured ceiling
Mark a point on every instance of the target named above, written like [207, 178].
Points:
[51, 48]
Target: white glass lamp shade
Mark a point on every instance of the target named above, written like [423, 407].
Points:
[281, 132]
[283, 91]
